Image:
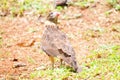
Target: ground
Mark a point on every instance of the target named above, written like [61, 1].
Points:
[20, 38]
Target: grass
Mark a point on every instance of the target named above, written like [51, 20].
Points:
[31, 60]
[101, 64]
[116, 28]
[94, 32]
[115, 4]
[107, 13]
[23, 7]
[31, 30]
[56, 74]
[1, 42]
[82, 4]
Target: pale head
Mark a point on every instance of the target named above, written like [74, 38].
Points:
[53, 17]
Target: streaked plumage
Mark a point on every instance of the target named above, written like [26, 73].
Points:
[56, 44]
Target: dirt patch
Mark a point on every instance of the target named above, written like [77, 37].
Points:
[86, 33]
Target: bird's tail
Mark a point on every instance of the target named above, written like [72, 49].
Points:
[75, 66]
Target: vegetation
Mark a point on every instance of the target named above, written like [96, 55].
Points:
[22, 7]
[102, 64]
[93, 31]
[25, 7]
[114, 3]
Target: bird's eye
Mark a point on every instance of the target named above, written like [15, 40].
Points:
[51, 13]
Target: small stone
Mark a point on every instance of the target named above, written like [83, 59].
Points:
[19, 64]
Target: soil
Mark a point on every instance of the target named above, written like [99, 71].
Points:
[20, 52]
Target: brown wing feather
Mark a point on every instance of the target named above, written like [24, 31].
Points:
[61, 42]
[55, 43]
[53, 39]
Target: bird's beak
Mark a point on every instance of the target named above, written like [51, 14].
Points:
[58, 14]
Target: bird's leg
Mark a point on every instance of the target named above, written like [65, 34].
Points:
[52, 60]
[61, 61]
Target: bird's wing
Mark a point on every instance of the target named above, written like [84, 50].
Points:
[47, 42]
[56, 42]
[62, 43]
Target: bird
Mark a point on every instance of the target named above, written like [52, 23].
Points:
[55, 43]
[61, 3]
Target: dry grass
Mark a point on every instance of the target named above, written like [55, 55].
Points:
[93, 31]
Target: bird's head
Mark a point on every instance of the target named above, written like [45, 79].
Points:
[53, 17]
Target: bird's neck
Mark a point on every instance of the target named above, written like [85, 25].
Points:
[55, 20]
[50, 25]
